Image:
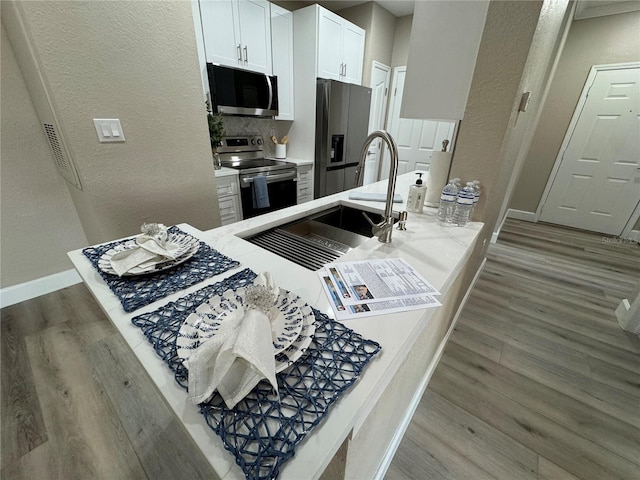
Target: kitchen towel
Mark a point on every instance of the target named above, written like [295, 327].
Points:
[240, 354]
[260, 192]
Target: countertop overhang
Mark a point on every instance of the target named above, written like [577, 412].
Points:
[437, 252]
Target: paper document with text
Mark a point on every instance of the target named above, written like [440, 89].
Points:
[373, 287]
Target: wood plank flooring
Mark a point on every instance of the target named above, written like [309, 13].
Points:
[76, 403]
[538, 380]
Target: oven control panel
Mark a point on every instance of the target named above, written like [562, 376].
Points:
[241, 144]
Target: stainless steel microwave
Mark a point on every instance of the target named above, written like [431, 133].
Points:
[241, 92]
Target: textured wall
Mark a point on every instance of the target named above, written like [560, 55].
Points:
[135, 61]
[514, 52]
[38, 221]
[594, 41]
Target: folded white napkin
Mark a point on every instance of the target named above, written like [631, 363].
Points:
[152, 248]
[239, 355]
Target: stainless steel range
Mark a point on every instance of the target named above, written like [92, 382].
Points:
[265, 184]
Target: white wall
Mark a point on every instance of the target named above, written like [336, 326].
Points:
[402, 35]
[38, 223]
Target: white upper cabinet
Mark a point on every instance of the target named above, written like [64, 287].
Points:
[282, 48]
[352, 53]
[237, 33]
[340, 48]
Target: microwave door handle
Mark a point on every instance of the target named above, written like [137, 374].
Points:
[270, 91]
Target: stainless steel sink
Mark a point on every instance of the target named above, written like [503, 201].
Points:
[318, 239]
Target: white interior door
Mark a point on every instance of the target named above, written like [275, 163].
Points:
[380, 78]
[597, 182]
[416, 139]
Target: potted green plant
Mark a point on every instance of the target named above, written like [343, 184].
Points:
[216, 132]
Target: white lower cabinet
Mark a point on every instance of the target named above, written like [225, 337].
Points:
[229, 199]
[305, 183]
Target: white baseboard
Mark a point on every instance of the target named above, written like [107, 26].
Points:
[521, 215]
[402, 428]
[35, 288]
[634, 235]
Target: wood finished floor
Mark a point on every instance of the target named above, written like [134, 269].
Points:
[538, 381]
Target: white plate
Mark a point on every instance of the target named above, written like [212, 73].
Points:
[291, 325]
[188, 247]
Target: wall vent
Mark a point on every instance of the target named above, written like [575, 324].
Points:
[13, 21]
[63, 163]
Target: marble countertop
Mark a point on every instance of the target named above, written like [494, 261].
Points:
[438, 252]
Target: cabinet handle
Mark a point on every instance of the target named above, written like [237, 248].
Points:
[239, 49]
[345, 70]
[341, 68]
[246, 55]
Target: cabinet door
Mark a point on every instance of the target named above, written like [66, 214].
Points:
[220, 28]
[330, 63]
[230, 210]
[282, 46]
[255, 33]
[352, 53]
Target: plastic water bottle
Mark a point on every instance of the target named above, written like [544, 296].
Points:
[476, 188]
[447, 202]
[464, 205]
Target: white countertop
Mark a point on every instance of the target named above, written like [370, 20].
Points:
[437, 252]
[226, 172]
[298, 161]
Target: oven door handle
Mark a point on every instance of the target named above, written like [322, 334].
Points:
[272, 178]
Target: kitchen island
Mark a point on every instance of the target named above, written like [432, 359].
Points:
[359, 434]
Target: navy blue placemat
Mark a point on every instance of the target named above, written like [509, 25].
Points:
[263, 430]
[140, 290]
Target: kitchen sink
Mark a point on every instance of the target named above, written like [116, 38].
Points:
[318, 239]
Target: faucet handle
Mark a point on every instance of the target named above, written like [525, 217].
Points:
[368, 219]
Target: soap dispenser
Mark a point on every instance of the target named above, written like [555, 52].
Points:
[417, 194]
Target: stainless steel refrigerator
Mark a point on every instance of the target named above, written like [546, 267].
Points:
[342, 122]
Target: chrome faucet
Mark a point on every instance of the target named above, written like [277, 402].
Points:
[383, 229]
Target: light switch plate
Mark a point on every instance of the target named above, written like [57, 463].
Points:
[108, 130]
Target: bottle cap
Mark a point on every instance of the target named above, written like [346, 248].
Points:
[419, 180]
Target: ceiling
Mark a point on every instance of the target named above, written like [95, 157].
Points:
[598, 8]
[399, 8]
